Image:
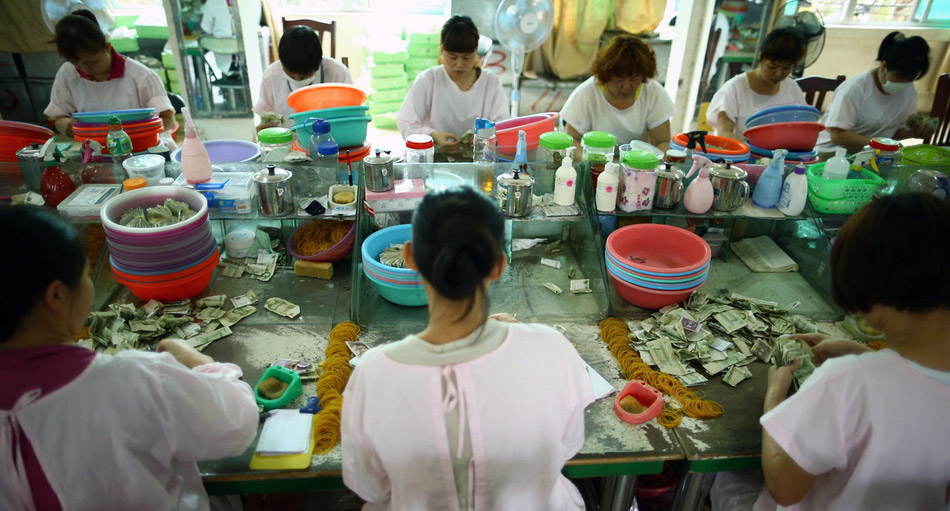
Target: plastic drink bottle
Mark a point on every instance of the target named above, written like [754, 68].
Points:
[699, 195]
[483, 153]
[320, 129]
[195, 162]
[837, 167]
[565, 180]
[794, 193]
[769, 187]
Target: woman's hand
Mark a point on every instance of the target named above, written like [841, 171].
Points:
[183, 353]
[780, 380]
[503, 316]
[65, 125]
[824, 347]
[448, 142]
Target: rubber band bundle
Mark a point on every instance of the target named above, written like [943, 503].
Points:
[614, 332]
[336, 372]
[319, 236]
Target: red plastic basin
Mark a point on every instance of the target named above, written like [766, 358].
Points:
[650, 298]
[662, 248]
[182, 288]
[506, 132]
[325, 95]
[717, 145]
[792, 136]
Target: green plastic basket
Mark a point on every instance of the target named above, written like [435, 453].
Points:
[840, 196]
[926, 154]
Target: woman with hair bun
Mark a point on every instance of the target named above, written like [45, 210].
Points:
[472, 412]
[877, 103]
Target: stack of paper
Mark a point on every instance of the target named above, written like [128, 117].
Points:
[285, 432]
[762, 255]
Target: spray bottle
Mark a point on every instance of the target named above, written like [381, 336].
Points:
[521, 154]
[769, 187]
[607, 184]
[195, 162]
[565, 180]
[55, 185]
[699, 195]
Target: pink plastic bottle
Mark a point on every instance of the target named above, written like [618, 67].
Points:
[195, 162]
[699, 195]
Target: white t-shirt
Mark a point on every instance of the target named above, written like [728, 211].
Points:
[874, 430]
[436, 103]
[857, 105]
[737, 99]
[521, 406]
[138, 87]
[126, 432]
[587, 109]
[275, 88]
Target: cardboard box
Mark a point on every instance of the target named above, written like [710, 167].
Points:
[405, 196]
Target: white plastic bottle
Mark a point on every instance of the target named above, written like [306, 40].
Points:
[837, 167]
[607, 184]
[794, 193]
[565, 180]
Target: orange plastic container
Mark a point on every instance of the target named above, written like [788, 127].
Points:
[325, 95]
[646, 395]
[172, 290]
[725, 147]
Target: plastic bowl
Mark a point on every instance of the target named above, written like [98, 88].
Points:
[719, 147]
[646, 395]
[164, 275]
[413, 296]
[792, 155]
[346, 131]
[144, 241]
[653, 285]
[329, 113]
[649, 298]
[170, 291]
[926, 154]
[24, 130]
[391, 274]
[164, 262]
[793, 136]
[102, 116]
[125, 125]
[389, 279]
[667, 250]
[325, 95]
[506, 132]
[783, 113]
[226, 151]
[654, 277]
[374, 244]
[147, 197]
[338, 251]
[654, 282]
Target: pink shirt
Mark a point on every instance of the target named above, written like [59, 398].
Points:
[874, 429]
[522, 404]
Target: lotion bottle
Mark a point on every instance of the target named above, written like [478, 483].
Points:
[607, 184]
[565, 180]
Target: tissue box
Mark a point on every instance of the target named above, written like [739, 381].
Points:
[405, 196]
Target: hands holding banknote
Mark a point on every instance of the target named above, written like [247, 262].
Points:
[183, 353]
[825, 347]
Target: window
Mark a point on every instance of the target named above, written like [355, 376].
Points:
[883, 12]
[439, 7]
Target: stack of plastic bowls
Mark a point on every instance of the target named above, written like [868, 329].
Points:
[794, 128]
[141, 124]
[168, 263]
[339, 103]
[717, 148]
[398, 285]
[655, 265]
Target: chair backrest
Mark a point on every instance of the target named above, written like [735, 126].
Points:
[320, 27]
[817, 87]
[941, 110]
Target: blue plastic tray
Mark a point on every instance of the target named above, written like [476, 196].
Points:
[123, 115]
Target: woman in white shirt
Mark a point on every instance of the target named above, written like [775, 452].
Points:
[95, 77]
[877, 103]
[765, 86]
[444, 100]
[429, 421]
[622, 97]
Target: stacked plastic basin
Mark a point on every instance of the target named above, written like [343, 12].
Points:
[717, 148]
[339, 103]
[794, 128]
[168, 263]
[17, 135]
[506, 133]
[141, 124]
[655, 265]
[401, 286]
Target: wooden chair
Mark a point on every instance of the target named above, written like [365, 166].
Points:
[941, 110]
[321, 28]
[817, 87]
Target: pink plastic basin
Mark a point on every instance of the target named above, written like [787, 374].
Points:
[147, 197]
[793, 136]
[506, 132]
[649, 298]
[663, 249]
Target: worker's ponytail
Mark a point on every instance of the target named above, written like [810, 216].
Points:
[908, 56]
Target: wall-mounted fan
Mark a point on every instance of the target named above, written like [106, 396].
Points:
[522, 26]
[804, 19]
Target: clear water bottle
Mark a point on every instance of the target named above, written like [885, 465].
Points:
[320, 129]
[483, 153]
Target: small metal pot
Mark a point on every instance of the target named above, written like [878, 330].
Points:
[669, 188]
[729, 187]
[379, 172]
[273, 186]
[514, 193]
[31, 165]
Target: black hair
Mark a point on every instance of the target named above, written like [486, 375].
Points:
[79, 34]
[909, 57]
[300, 50]
[459, 35]
[457, 239]
[52, 251]
[783, 45]
[893, 252]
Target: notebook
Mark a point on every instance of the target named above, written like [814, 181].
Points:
[762, 255]
[600, 387]
[285, 432]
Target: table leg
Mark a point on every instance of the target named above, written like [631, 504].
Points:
[618, 493]
[690, 494]
[202, 76]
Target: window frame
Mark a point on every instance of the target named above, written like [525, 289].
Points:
[847, 15]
